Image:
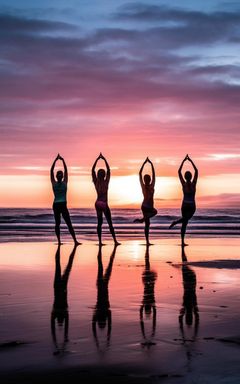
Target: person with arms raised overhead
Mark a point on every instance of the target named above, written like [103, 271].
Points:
[189, 191]
[59, 186]
[148, 210]
[101, 182]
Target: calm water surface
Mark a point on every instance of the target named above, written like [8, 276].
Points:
[126, 306]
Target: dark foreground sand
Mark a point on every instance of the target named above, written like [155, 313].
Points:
[135, 315]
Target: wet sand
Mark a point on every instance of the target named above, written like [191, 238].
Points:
[126, 311]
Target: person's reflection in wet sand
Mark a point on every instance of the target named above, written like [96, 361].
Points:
[102, 316]
[189, 308]
[60, 305]
[148, 307]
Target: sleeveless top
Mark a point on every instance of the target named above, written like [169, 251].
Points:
[189, 191]
[148, 192]
[102, 190]
[60, 192]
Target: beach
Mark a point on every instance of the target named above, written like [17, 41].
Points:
[119, 126]
[26, 224]
[127, 310]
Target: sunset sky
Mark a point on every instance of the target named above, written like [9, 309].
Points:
[130, 79]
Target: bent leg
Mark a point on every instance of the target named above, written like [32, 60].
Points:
[152, 213]
[67, 219]
[175, 222]
[188, 211]
[139, 220]
[148, 213]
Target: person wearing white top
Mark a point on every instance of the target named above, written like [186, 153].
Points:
[60, 199]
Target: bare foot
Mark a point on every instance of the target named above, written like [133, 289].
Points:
[172, 225]
[139, 220]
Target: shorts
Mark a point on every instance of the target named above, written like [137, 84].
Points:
[101, 205]
[148, 211]
[60, 208]
[188, 210]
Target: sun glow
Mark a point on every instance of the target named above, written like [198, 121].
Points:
[125, 190]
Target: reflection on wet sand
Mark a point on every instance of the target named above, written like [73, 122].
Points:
[102, 315]
[122, 312]
[189, 308]
[148, 307]
[60, 305]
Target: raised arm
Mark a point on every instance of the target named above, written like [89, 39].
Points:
[52, 169]
[140, 173]
[153, 173]
[65, 178]
[94, 176]
[107, 167]
[180, 170]
[195, 170]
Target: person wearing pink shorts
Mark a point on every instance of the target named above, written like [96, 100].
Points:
[101, 182]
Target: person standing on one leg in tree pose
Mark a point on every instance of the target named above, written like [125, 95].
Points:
[147, 185]
[60, 199]
[189, 191]
[101, 182]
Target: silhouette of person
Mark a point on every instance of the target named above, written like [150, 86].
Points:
[101, 182]
[147, 185]
[60, 199]
[189, 191]
[189, 308]
[148, 303]
[60, 305]
[102, 316]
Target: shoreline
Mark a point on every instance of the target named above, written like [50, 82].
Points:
[38, 224]
[122, 239]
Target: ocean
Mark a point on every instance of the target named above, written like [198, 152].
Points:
[38, 224]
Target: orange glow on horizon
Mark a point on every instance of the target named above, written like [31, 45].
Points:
[124, 191]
